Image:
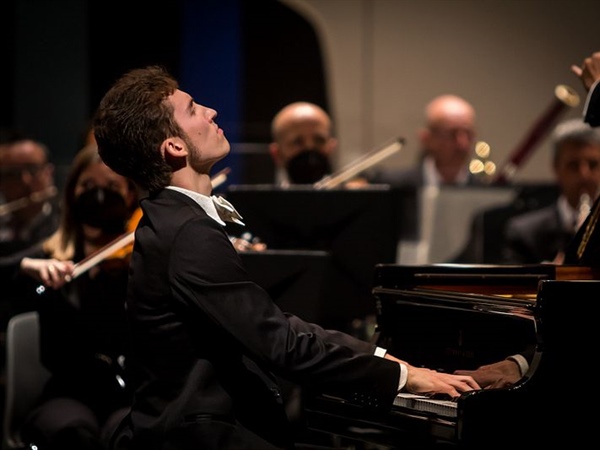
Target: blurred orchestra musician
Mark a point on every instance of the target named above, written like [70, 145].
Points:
[447, 141]
[302, 144]
[303, 148]
[510, 370]
[191, 285]
[543, 234]
[29, 211]
[83, 328]
[28, 196]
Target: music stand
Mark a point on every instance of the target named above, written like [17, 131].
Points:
[293, 278]
[358, 227]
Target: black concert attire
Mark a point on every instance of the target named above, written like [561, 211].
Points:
[14, 243]
[592, 106]
[536, 236]
[208, 342]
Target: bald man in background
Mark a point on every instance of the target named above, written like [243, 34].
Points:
[447, 140]
[302, 144]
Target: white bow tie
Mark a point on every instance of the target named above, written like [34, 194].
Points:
[226, 211]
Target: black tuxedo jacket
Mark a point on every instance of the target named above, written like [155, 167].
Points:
[535, 236]
[207, 342]
[592, 110]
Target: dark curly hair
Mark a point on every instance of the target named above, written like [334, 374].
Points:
[132, 121]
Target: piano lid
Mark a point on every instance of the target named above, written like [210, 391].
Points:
[518, 281]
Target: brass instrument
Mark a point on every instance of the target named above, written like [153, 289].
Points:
[565, 97]
[220, 177]
[360, 165]
[23, 202]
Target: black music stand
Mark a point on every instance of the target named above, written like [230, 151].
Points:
[358, 227]
[295, 279]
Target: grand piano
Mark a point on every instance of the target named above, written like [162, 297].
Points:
[448, 317]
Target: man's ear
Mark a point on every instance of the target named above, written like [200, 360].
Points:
[423, 135]
[173, 147]
[274, 151]
[332, 144]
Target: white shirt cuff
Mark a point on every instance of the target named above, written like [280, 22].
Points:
[403, 376]
[521, 362]
[380, 352]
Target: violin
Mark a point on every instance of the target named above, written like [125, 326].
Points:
[120, 248]
[125, 247]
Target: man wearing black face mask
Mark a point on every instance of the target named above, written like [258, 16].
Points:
[302, 144]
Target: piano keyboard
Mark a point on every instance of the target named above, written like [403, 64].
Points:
[417, 402]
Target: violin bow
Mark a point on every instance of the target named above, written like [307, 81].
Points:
[117, 244]
[125, 239]
[361, 164]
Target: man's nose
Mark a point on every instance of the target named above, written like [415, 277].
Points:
[26, 176]
[586, 170]
[463, 138]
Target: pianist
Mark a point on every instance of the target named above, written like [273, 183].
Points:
[207, 341]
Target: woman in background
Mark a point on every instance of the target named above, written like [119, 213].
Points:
[83, 329]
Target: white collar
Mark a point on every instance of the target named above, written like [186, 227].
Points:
[217, 208]
[281, 177]
[432, 177]
[568, 214]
